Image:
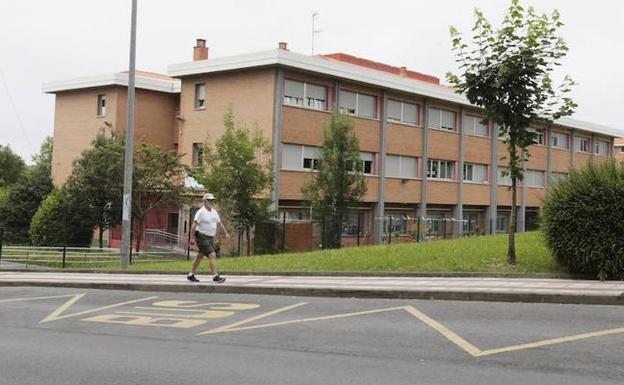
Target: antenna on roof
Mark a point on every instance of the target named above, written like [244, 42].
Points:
[314, 30]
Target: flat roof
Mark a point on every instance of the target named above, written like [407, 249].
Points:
[143, 80]
[351, 72]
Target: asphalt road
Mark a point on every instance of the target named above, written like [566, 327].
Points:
[128, 337]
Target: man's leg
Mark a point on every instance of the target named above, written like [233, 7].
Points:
[212, 260]
[196, 263]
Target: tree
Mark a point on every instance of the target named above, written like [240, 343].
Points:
[12, 166]
[25, 196]
[238, 172]
[97, 182]
[338, 183]
[508, 73]
[158, 180]
[60, 222]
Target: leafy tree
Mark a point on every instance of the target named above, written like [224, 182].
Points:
[25, 196]
[238, 172]
[158, 179]
[97, 182]
[60, 222]
[507, 72]
[338, 182]
[11, 166]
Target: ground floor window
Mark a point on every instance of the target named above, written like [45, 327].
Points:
[396, 222]
[470, 224]
[502, 222]
[353, 224]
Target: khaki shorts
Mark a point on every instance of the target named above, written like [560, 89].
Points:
[205, 243]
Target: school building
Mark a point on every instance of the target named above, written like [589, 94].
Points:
[426, 151]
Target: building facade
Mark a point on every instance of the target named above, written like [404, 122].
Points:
[429, 157]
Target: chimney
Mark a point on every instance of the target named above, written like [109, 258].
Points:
[282, 45]
[403, 72]
[200, 51]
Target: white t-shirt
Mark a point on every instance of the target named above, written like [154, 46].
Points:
[207, 221]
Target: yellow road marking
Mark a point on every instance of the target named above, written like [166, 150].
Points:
[35, 298]
[56, 314]
[146, 321]
[201, 314]
[255, 318]
[234, 329]
[552, 341]
[446, 332]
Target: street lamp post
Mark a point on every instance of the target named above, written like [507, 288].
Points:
[126, 224]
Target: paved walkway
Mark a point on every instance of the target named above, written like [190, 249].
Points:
[493, 289]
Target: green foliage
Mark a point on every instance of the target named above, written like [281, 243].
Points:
[583, 220]
[158, 179]
[338, 182]
[507, 72]
[11, 166]
[238, 171]
[60, 222]
[97, 182]
[25, 196]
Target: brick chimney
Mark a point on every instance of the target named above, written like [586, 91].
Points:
[282, 45]
[403, 72]
[200, 51]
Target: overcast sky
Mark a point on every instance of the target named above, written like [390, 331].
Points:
[44, 40]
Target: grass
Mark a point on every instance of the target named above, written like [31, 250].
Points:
[476, 254]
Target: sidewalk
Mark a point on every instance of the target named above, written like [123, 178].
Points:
[442, 288]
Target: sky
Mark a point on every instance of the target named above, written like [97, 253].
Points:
[43, 40]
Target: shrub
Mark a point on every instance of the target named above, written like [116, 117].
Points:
[58, 222]
[583, 221]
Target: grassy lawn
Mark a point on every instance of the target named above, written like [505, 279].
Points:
[477, 254]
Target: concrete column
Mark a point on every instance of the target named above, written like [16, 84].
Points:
[277, 135]
[458, 210]
[422, 208]
[380, 206]
[491, 211]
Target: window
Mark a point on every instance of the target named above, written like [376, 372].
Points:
[473, 125]
[299, 157]
[539, 139]
[558, 176]
[358, 104]
[442, 119]
[398, 166]
[352, 223]
[294, 214]
[437, 224]
[622, 149]
[198, 154]
[503, 180]
[366, 162]
[440, 169]
[396, 222]
[559, 140]
[470, 223]
[200, 95]
[402, 112]
[101, 109]
[601, 148]
[582, 144]
[475, 172]
[534, 178]
[502, 223]
[305, 95]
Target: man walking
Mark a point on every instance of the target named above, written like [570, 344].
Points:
[205, 226]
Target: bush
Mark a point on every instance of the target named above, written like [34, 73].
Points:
[583, 221]
[58, 222]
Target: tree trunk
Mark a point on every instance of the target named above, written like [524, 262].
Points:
[101, 233]
[140, 237]
[511, 250]
[248, 240]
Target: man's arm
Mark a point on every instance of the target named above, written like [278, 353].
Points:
[193, 226]
[224, 230]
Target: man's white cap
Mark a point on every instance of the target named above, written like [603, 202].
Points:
[208, 197]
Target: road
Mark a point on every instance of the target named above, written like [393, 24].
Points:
[73, 336]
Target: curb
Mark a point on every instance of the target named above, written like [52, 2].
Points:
[341, 293]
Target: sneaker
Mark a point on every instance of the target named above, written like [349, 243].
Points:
[218, 279]
[191, 277]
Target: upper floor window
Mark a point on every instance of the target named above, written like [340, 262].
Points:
[442, 119]
[200, 95]
[353, 103]
[558, 176]
[101, 105]
[474, 125]
[539, 140]
[403, 112]
[365, 164]
[304, 94]
[601, 147]
[534, 178]
[582, 144]
[504, 178]
[198, 154]
[559, 140]
[398, 166]
[440, 169]
[475, 172]
[300, 157]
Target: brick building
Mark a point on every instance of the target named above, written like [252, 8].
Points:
[426, 152]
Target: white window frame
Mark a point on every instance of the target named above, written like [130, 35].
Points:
[304, 101]
[558, 176]
[473, 129]
[597, 144]
[302, 158]
[471, 165]
[528, 179]
[440, 163]
[583, 140]
[441, 128]
[101, 107]
[402, 119]
[401, 159]
[198, 154]
[357, 106]
[555, 138]
[200, 104]
[503, 180]
[540, 135]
